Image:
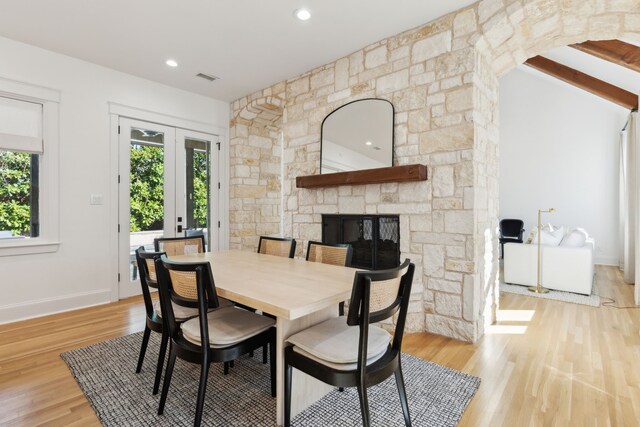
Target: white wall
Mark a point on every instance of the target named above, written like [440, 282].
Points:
[77, 274]
[559, 148]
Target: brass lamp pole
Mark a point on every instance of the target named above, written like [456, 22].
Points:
[539, 289]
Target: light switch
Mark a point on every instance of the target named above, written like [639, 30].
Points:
[96, 199]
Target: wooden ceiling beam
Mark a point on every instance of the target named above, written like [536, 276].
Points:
[584, 81]
[616, 51]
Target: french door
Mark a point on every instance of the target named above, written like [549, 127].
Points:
[168, 186]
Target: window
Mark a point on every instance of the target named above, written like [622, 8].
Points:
[28, 169]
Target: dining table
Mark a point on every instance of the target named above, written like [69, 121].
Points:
[298, 293]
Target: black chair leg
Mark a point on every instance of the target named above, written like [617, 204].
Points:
[202, 388]
[272, 356]
[403, 396]
[231, 364]
[341, 308]
[143, 348]
[364, 404]
[251, 353]
[288, 373]
[167, 379]
[264, 354]
[163, 352]
[226, 368]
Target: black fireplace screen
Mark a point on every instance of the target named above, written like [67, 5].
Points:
[375, 238]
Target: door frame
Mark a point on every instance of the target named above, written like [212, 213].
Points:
[118, 110]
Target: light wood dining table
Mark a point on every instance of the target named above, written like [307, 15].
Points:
[298, 293]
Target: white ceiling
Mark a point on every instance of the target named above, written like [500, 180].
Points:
[249, 44]
[609, 72]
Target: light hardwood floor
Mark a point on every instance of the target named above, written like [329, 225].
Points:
[555, 364]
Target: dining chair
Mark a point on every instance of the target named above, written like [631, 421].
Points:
[153, 320]
[330, 253]
[222, 335]
[279, 246]
[349, 351]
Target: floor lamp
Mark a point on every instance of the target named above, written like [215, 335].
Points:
[538, 288]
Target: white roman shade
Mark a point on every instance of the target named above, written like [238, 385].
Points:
[20, 125]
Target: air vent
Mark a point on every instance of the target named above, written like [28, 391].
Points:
[208, 77]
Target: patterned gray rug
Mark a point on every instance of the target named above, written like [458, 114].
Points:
[438, 396]
[592, 300]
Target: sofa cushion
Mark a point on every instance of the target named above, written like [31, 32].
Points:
[550, 238]
[576, 238]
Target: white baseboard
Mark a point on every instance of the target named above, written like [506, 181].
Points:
[606, 261]
[43, 307]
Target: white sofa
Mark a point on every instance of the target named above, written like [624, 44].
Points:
[568, 269]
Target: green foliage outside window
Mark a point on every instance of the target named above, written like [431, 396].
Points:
[15, 192]
[147, 188]
[200, 194]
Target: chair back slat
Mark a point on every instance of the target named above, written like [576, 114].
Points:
[180, 245]
[151, 270]
[147, 274]
[384, 294]
[184, 284]
[329, 254]
[277, 246]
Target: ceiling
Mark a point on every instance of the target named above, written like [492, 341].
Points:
[609, 72]
[248, 44]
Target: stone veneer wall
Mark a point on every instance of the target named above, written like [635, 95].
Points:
[442, 79]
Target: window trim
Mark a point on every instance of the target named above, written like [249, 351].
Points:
[49, 238]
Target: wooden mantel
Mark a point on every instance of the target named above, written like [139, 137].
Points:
[407, 173]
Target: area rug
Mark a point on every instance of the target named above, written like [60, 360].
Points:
[438, 396]
[592, 300]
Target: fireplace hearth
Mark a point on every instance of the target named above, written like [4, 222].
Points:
[375, 238]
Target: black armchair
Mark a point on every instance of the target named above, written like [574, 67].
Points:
[511, 231]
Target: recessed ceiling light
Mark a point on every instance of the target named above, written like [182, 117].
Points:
[302, 14]
[171, 63]
[368, 143]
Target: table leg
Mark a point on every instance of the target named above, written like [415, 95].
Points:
[306, 389]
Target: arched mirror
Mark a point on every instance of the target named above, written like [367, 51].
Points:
[357, 136]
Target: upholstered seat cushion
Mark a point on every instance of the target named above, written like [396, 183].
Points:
[182, 313]
[227, 326]
[338, 366]
[335, 342]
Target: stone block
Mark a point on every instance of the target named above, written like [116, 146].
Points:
[448, 305]
[351, 204]
[392, 82]
[442, 181]
[460, 221]
[460, 99]
[322, 78]
[464, 23]
[455, 328]
[376, 57]
[431, 47]
[433, 261]
[447, 139]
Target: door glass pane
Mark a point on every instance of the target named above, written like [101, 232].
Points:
[146, 192]
[198, 170]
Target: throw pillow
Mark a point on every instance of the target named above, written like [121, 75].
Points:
[550, 238]
[576, 238]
